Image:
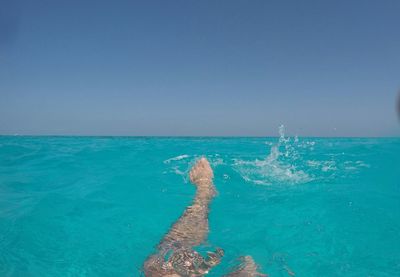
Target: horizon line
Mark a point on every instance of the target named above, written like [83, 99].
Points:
[187, 136]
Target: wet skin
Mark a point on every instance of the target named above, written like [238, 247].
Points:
[175, 256]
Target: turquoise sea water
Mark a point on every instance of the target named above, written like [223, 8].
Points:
[97, 206]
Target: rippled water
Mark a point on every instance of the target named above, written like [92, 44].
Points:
[97, 206]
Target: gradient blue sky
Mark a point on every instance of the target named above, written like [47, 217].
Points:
[322, 68]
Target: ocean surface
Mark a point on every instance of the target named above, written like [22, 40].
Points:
[97, 206]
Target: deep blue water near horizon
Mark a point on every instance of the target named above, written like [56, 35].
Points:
[97, 206]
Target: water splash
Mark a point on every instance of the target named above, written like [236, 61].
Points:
[293, 161]
[279, 166]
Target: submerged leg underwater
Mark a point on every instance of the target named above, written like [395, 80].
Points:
[189, 231]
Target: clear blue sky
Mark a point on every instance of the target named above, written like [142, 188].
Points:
[322, 68]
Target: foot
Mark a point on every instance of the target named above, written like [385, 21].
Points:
[201, 173]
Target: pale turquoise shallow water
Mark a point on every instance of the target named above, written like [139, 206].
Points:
[97, 206]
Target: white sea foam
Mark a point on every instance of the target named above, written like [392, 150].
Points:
[329, 166]
[177, 158]
[216, 161]
[355, 165]
[324, 166]
[269, 172]
[176, 170]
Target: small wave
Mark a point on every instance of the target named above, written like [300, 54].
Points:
[177, 171]
[355, 166]
[177, 158]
